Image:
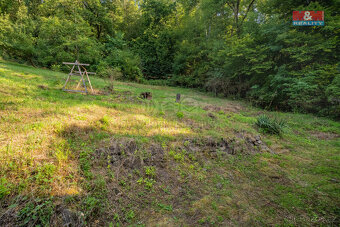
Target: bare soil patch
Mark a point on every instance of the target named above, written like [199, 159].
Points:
[225, 109]
[325, 135]
[241, 144]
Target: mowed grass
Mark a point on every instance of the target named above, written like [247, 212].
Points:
[48, 158]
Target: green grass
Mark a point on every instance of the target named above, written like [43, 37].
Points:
[114, 159]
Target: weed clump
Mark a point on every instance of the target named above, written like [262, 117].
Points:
[150, 171]
[104, 122]
[38, 212]
[271, 126]
[4, 188]
[180, 115]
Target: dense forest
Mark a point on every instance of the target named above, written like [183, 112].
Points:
[245, 49]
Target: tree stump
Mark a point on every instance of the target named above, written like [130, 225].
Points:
[146, 95]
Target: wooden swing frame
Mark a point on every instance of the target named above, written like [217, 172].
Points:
[78, 73]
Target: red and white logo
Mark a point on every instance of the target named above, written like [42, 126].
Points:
[308, 18]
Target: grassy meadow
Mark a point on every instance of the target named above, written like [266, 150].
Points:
[114, 159]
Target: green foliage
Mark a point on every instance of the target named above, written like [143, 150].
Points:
[37, 213]
[94, 203]
[165, 207]
[104, 70]
[271, 126]
[4, 188]
[180, 114]
[92, 206]
[177, 156]
[130, 215]
[147, 182]
[16, 37]
[85, 163]
[45, 174]
[63, 40]
[333, 94]
[156, 43]
[119, 59]
[150, 171]
[104, 122]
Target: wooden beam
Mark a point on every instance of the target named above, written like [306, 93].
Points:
[78, 73]
[82, 77]
[68, 78]
[78, 84]
[75, 63]
[88, 78]
[75, 91]
[75, 74]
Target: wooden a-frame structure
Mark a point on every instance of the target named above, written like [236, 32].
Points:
[81, 73]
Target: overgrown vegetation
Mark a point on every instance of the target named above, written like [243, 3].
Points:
[113, 159]
[245, 49]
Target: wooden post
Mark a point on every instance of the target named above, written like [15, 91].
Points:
[78, 84]
[68, 78]
[178, 97]
[82, 78]
[88, 78]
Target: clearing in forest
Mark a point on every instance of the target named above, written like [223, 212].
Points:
[114, 158]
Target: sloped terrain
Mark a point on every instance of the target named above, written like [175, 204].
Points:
[114, 159]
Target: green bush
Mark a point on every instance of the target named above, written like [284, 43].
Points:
[271, 126]
[119, 60]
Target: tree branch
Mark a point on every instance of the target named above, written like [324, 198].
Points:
[249, 6]
[231, 6]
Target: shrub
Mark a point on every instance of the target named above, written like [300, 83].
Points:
[119, 60]
[106, 71]
[271, 126]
